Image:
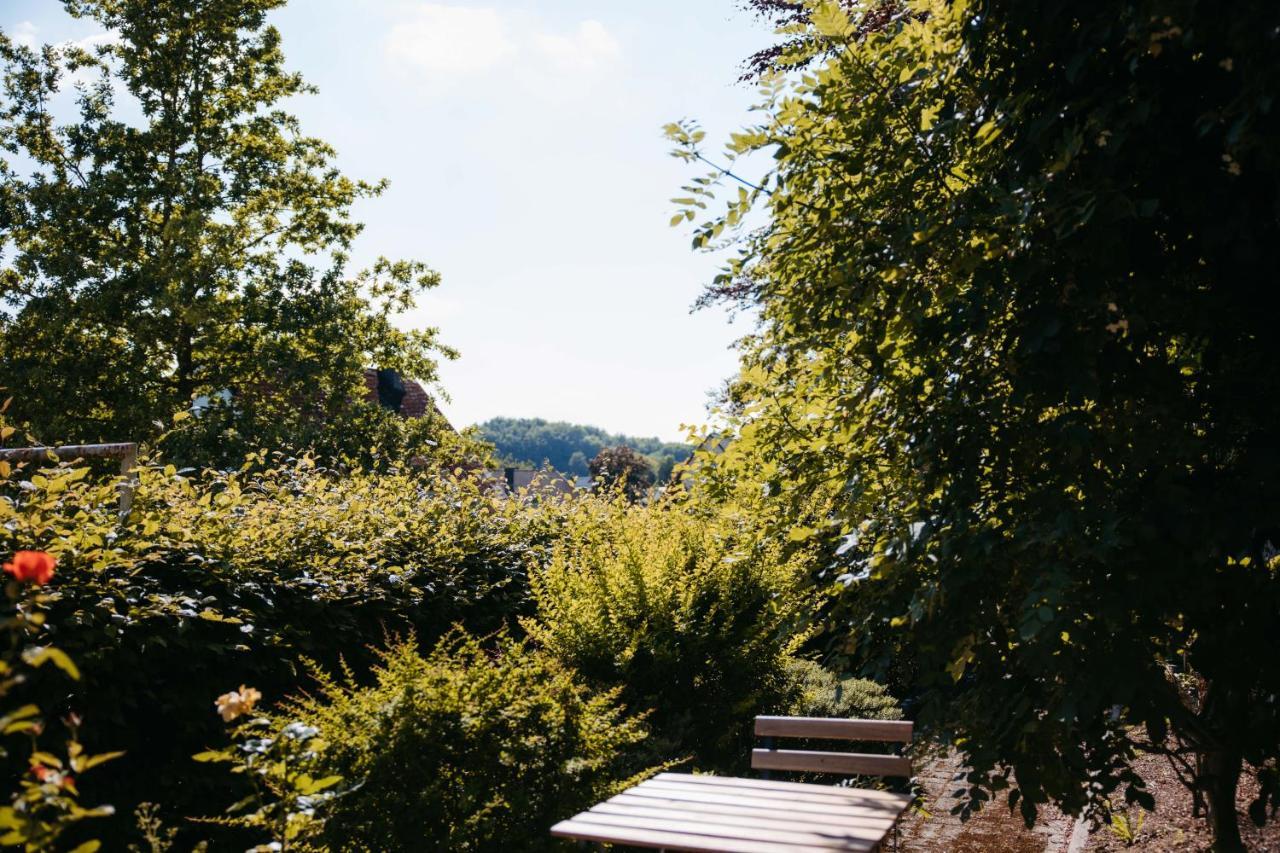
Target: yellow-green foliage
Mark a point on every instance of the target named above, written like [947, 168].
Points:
[471, 747]
[817, 692]
[691, 613]
[218, 579]
[421, 536]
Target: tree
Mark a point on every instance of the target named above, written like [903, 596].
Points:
[198, 249]
[567, 447]
[666, 466]
[800, 45]
[1014, 292]
[623, 469]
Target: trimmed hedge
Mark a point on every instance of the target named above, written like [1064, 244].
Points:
[218, 579]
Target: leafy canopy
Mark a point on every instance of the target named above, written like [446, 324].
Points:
[1011, 289]
[171, 231]
[624, 470]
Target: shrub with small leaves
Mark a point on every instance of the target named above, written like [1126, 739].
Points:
[691, 615]
[815, 691]
[471, 747]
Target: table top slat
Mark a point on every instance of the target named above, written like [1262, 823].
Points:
[583, 830]
[828, 818]
[845, 798]
[848, 794]
[728, 834]
[725, 814]
[774, 820]
[722, 798]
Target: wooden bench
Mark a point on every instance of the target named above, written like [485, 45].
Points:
[717, 814]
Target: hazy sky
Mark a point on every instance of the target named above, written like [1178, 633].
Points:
[523, 144]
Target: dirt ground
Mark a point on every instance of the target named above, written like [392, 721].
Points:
[1170, 827]
[993, 829]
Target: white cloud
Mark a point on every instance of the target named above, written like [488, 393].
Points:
[446, 44]
[587, 48]
[450, 40]
[97, 40]
[25, 34]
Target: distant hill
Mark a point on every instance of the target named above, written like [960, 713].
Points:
[569, 447]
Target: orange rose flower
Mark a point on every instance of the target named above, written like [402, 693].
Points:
[237, 703]
[31, 567]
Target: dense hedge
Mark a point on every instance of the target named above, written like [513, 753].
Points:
[610, 638]
[220, 579]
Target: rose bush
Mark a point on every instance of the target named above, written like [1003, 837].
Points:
[46, 805]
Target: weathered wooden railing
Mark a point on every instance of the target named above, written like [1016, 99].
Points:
[126, 452]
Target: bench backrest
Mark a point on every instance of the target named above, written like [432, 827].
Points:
[842, 763]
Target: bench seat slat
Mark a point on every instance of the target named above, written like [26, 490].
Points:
[846, 763]
[886, 731]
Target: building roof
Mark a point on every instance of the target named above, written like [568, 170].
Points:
[416, 403]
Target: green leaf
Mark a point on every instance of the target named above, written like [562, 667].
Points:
[40, 655]
[831, 21]
[95, 760]
[988, 133]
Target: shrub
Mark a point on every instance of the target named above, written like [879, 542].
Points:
[466, 748]
[46, 803]
[815, 691]
[352, 432]
[689, 613]
[218, 579]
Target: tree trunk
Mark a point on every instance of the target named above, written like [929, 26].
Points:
[186, 365]
[1220, 774]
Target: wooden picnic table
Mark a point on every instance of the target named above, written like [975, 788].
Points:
[677, 811]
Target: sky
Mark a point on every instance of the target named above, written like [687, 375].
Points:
[523, 145]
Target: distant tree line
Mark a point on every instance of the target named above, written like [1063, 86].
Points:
[569, 448]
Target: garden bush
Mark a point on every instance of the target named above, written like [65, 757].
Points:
[216, 579]
[219, 579]
[815, 691]
[470, 747]
[688, 612]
